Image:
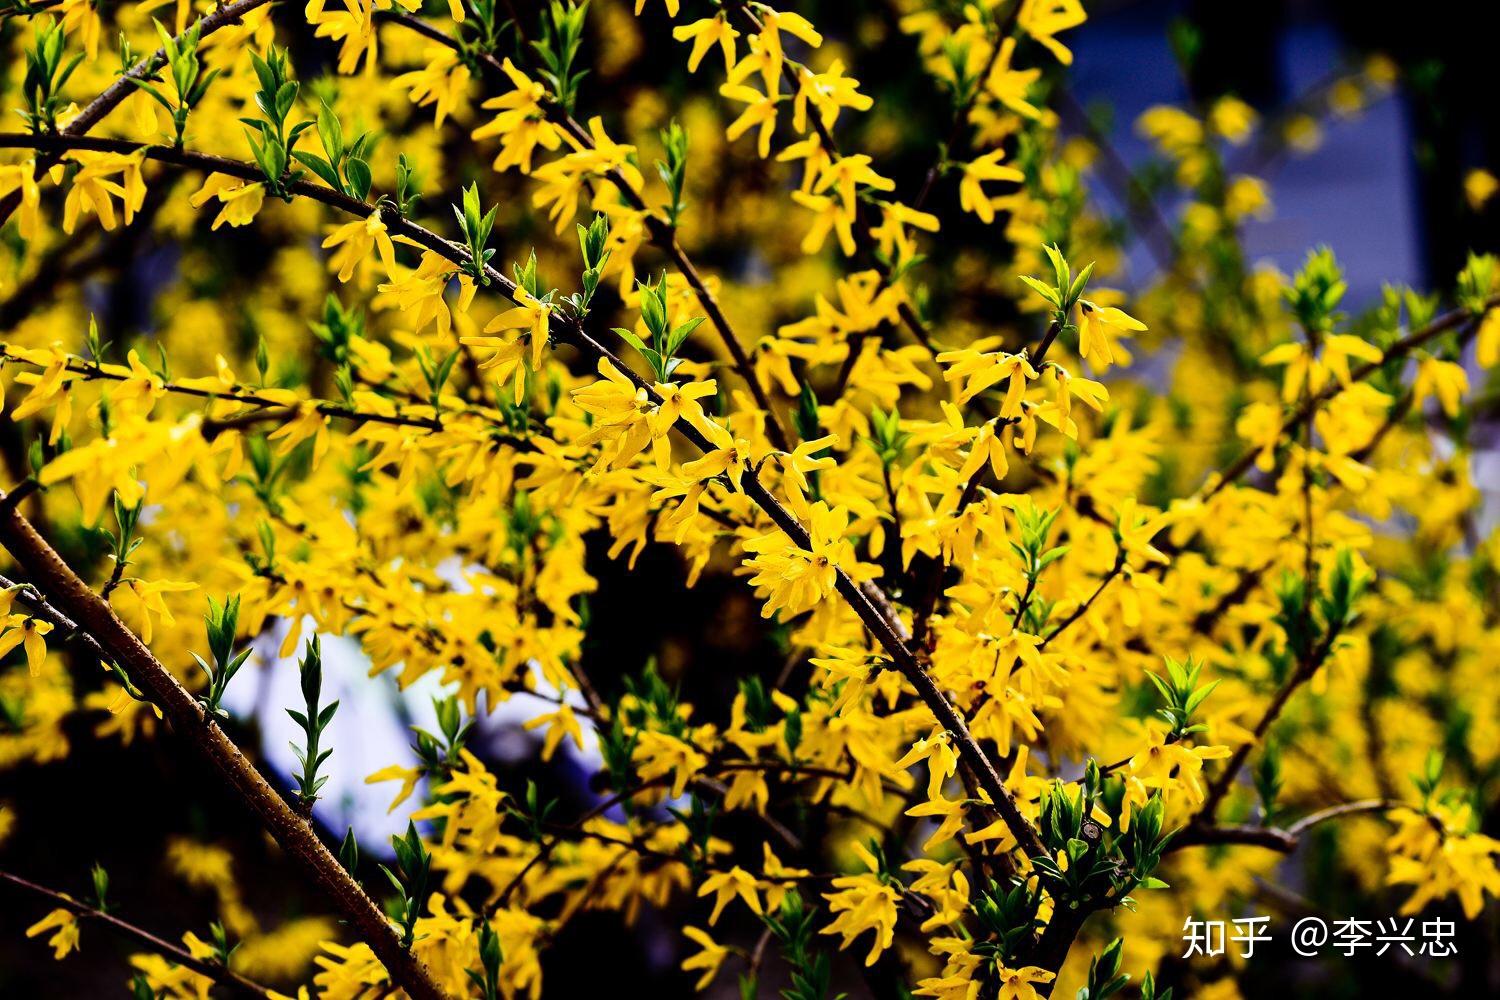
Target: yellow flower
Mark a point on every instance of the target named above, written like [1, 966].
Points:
[712, 956]
[1069, 387]
[1172, 765]
[705, 34]
[354, 26]
[724, 886]
[408, 776]
[561, 723]
[797, 579]
[760, 112]
[942, 760]
[530, 315]
[81, 17]
[1043, 19]
[521, 124]
[26, 632]
[308, 423]
[1439, 853]
[241, 198]
[21, 177]
[444, 81]
[93, 191]
[1008, 85]
[730, 458]
[863, 903]
[1098, 327]
[1479, 187]
[65, 924]
[1019, 984]
[672, 6]
[144, 602]
[827, 91]
[773, 23]
[981, 370]
[846, 174]
[661, 754]
[829, 216]
[1233, 119]
[355, 240]
[1443, 379]
[621, 410]
[976, 173]
[423, 292]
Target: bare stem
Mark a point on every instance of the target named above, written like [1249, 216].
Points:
[233, 983]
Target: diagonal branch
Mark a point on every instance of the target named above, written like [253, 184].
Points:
[233, 983]
[73, 598]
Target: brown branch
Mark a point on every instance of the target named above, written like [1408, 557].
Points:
[233, 983]
[1304, 673]
[292, 833]
[1270, 837]
[1334, 812]
[1254, 836]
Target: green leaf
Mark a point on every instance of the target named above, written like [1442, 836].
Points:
[1050, 294]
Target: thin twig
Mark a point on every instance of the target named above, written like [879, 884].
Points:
[232, 982]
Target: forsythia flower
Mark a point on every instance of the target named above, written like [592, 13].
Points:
[28, 633]
[705, 34]
[241, 199]
[660, 754]
[1098, 327]
[93, 191]
[65, 927]
[863, 903]
[760, 112]
[980, 371]
[521, 124]
[976, 173]
[20, 178]
[1443, 379]
[355, 240]
[444, 81]
[773, 23]
[1044, 19]
[724, 886]
[1020, 984]
[710, 958]
[795, 578]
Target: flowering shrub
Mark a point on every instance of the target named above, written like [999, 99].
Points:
[1056, 659]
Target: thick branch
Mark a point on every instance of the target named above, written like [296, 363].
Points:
[74, 599]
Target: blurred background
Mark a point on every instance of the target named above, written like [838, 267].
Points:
[1385, 187]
